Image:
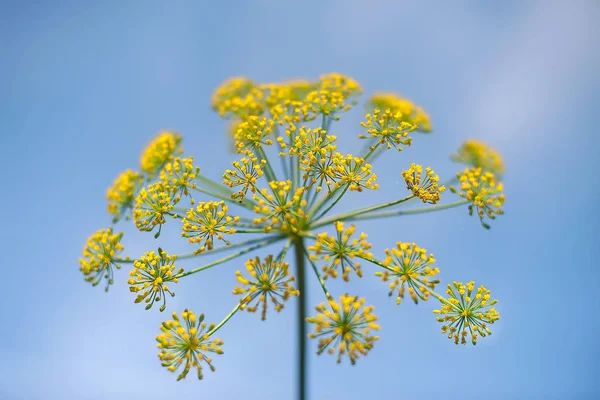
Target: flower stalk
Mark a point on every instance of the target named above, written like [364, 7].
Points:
[388, 214]
[301, 316]
[231, 256]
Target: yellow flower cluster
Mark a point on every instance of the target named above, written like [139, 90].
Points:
[424, 187]
[150, 275]
[238, 97]
[479, 155]
[327, 103]
[179, 176]
[340, 83]
[345, 327]
[312, 142]
[324, 165]
[159, 151]
[340, 252]
[355, 172]
[289, 201]
[317, 157]
[288, 92]
[408, 266]
[207, 220]
[269, 280]
[280, 208]
[290, 113]
[466, 312]
[320, 170]
[100, 254]
[245, 173]
[388, 128]
[333, 93]
[151, 205]
[253, 133]
[120, 196]
[483, 191]
[288, 102]
[410, 112]
[188, 342]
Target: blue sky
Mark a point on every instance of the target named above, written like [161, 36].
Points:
[86, 84]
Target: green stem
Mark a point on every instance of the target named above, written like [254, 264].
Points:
[297, 172]
[246, 224]
[434, 294]
[283, 161]
[181, 210]
[366, 146]
[450, 182]
[300, 276]
[405, 212]
[441, 298]
[329, 121]
[269, 170]
[245, 203]
[294, 163]
[360, 211]
[285, 249]
[218, 249]
[244, 220]
[332, 204]
[371, 151]
[379, 152]
[231, 256]
[211, 183]
[321, 281]
[378, 263]
[227, 318]
[321, 201]
[312, 194]
[173, 215]
[249, 230]
[284, 167]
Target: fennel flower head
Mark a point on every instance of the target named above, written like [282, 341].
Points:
[281, 196]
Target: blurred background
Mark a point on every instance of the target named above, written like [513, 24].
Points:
[85, 85]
